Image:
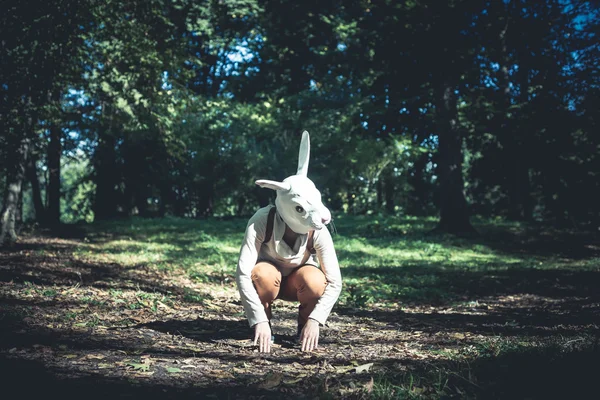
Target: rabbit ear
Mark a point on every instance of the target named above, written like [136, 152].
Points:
[304, 155]
[273, 185]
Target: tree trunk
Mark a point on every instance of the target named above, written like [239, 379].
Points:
[19, 216]
[522, 167]
[419, 196]
[512, 135]
[241, 204]
[454, 216]
[350, 200]
[14, 186]
[166, 199]
[205, 201]
[36, 193]
[262, 196]
[105, 203]
[379, 189]
[389, 192]
[54, 154]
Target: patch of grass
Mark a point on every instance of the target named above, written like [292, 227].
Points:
[383, 259]
[49, 293]
[70, 315]
[502, 368]
[192, 296]
[92, 301]
[199, 247]
[147, 300]
[509, 314]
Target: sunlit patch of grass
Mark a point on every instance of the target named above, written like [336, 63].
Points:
[166, 244]
[383, 259]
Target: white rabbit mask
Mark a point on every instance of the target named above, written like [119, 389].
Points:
[298, 200]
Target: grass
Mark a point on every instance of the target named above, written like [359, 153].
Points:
[386, 261]
[511, 313]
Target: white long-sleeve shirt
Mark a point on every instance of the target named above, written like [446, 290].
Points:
[286, 259]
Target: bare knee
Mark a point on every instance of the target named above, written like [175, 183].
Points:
[312, 282]
[266, 279]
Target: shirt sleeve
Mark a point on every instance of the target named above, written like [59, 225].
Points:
[255, 233]
[330, 267]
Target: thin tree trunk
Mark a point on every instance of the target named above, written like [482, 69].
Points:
[262, 196]
[105, 204]
[166, 199]
[454, 216]
[106, 172]
[14, 186]
[513, 136]
[19, 216]
[522, 172]
[379, 188]
[388, 185]
[54, 154]
[350, 200]
[419, 197]
[36, 193]
[241, 204]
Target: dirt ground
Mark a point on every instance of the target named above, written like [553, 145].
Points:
[73, 328]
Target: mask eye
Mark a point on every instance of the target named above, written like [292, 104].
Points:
[299, 209]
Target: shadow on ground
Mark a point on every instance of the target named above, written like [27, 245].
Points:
[533, 332]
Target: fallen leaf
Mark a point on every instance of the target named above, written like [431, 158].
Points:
[95, 356]
[219, 374]
[173, 370]
[293, 380]
[363, 368]
[272, 380]
[342, 369]
[139, 367]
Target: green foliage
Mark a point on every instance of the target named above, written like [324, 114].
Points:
[178, 106]
[76, 203]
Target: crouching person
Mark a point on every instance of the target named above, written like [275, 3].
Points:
[288, 254]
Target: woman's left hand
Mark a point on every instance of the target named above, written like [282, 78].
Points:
[310, 335]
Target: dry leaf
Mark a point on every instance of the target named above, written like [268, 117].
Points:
[220, 374]
[95, 356]
[363, 368]
[272, 380]
[292, 381]
[342, 369]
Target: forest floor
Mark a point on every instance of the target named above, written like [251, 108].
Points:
[149, 309]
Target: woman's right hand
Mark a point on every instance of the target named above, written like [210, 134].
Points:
[262, 337]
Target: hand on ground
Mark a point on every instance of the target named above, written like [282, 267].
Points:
[309, 338]
[262, 337]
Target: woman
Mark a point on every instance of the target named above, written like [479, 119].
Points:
[287, 254]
